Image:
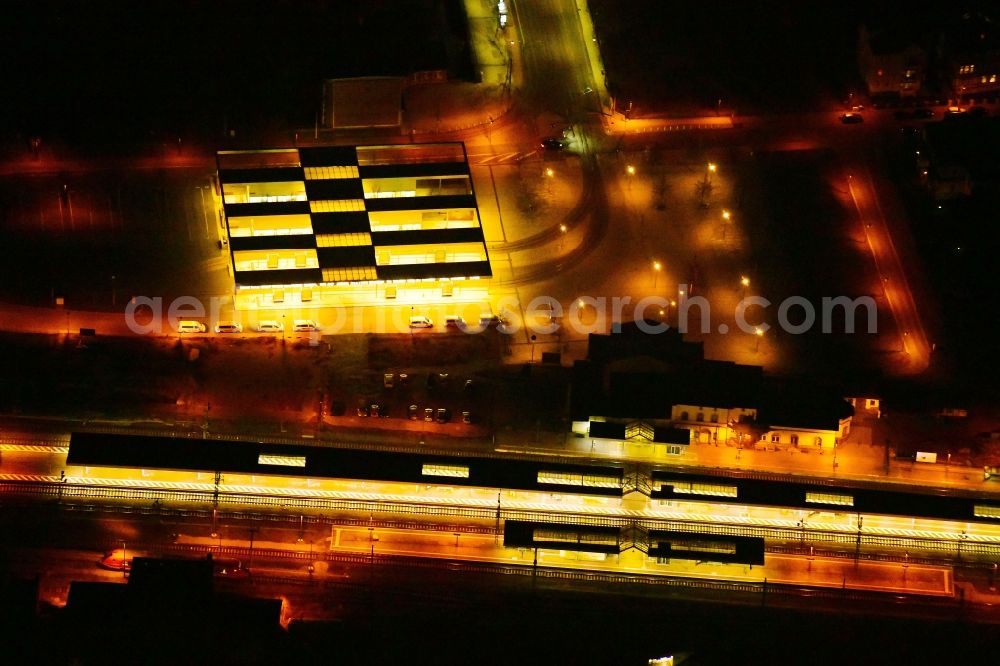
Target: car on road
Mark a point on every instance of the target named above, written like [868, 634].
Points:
[270, 326]
[229, 567]
[490, 320]
[189, 326]
[546, 311]
[429, 414]
[443, 415]
[454, 321]
[420, 321]
[228, 327]
[304, 326]
[413, 412]
[553, 143]
[851, 118]
[119, 559]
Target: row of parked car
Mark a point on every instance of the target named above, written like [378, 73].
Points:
[486, 320]
[441, 414]
[414, 413]
[263, 326]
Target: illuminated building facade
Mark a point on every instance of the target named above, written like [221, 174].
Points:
[316, 226]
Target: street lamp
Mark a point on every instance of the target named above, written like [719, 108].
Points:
[656, 272]
[706, 184]
[744, 283]
[562, 235]
[630, 170]
[548, 180]
[726, 215]
[758, 334]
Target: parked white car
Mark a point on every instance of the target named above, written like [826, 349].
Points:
[269, 326]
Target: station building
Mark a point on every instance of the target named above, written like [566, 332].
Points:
[660, 392]
[352, 225]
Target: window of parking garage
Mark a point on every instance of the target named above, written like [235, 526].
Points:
[331, 172]
[391, 188]
[270, 260]
[712, 489]
[454, 471]
[337, 205]
[242, 193]
[422, 220]
[393, 255]
[343, 240]
[572, 479]
[270, 225]
[829, 498]
[986, 511]
[349, 274]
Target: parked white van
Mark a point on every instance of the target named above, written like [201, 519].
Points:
[190, 326]
[269, 326]
[228, 327]
[420, 321]
[304, 325]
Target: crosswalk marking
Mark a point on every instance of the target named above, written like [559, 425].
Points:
[502, 158]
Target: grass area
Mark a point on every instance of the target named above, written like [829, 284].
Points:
[806, 242]
[769, 55]
[53, 376]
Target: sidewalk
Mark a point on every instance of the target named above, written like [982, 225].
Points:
[619, 124]
[852, 462]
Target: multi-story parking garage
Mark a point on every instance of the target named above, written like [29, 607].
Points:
[309, 226]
